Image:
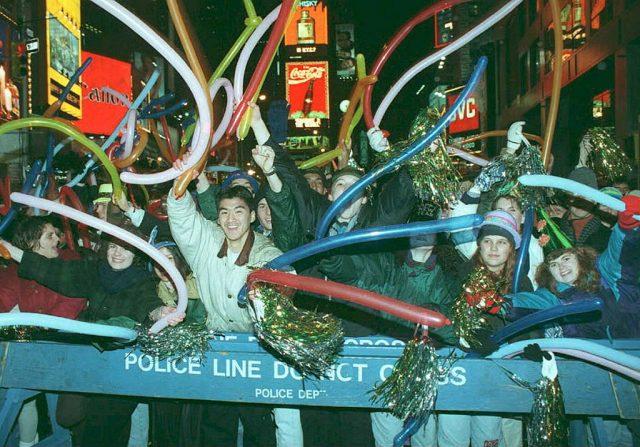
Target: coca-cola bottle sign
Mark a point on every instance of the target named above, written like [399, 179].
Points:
[305, 74]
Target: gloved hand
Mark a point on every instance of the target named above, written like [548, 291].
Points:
[378, 139]
[514, 136]
[492, 173]
[534, 353]
[625, 218]
[486, 345]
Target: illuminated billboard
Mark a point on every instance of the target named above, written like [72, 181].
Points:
[308, 25]
[63, 52]
[9, 93]
[102, 111]
[467, 117]
[308, 93]
[345, 51]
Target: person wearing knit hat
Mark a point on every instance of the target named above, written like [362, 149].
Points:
[585, 176]
[316, 179]
[241, 178]
[500, 223]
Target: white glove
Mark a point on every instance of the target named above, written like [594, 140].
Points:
[377, 140]
[549, 367]
[514, 136]
[585, 149]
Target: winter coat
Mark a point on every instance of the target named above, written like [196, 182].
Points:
[208, 201]
[618, 267]
[203, 245]
[391, 205]
[82, 279]
[287, 231]
[30, 296]
[195, 313]
[594, 234]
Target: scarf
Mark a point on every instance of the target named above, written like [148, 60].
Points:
[115, 281]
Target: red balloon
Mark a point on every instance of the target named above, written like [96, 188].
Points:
[400, 309]
[391, 46]
[263, 63]
[67, 193]
[153, 208]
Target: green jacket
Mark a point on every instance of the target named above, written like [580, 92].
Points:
[208, 202]
[81, 279]
[287, 229]
[420, 284]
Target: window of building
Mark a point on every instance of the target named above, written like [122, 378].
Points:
[534, 63]
[602, 107]
[523, 72]
[601, 13]
[548, 49]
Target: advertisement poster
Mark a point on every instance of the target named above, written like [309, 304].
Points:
[308, 26]
[9, 93]
[467, 117]
[308, 92]
[345, 51]
[63, 52]
[102, 111]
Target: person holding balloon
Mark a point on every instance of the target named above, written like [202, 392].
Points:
[115, 285]
[220, 255]
[38, 235]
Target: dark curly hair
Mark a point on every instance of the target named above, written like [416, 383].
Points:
[588, 276]
[140, 259]
[30, 229]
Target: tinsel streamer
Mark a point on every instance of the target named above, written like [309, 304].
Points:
[606, 157]
[310, 341]
[19, 333]
[555, 237]
[503, 172]
[479, 296]
[435, 177]
[548, 426]
[176, 342]
[412, 388]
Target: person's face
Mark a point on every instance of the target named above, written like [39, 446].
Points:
[159, 271]
[623, 187]
[344, 41]
[565, 268]
[341, 185]
[244, 183]
[118, 257]
[511, 207]
[101, 210]
[47, 245]
[264, 214]
[494, 251]
[315, 182]
[235, 217]
[580, 208]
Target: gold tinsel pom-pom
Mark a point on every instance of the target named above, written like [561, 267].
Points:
[412, 387]
[435, 178]
[310, 341]
[479, 296]
[606, 158]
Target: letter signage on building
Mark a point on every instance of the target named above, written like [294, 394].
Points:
[467, 117]
[102, 111]
[308, 93]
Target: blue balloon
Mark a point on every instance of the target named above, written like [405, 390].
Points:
[155, 102]
[221, 168]
[74, 79]
[550, 181]
[166, 111]
[545, 315]
[411, 426]
[141, 97]
[366, 235]
[523, 252]
[622, 362]
[66, 325]
[358, 187]
[26, 188]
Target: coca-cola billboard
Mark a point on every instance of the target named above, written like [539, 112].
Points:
[102, 111]
[308, 92]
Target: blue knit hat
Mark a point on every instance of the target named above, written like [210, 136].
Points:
[500, 223]
[612, 191]
[235, 175]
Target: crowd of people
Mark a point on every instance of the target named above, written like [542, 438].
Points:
[218, 233]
